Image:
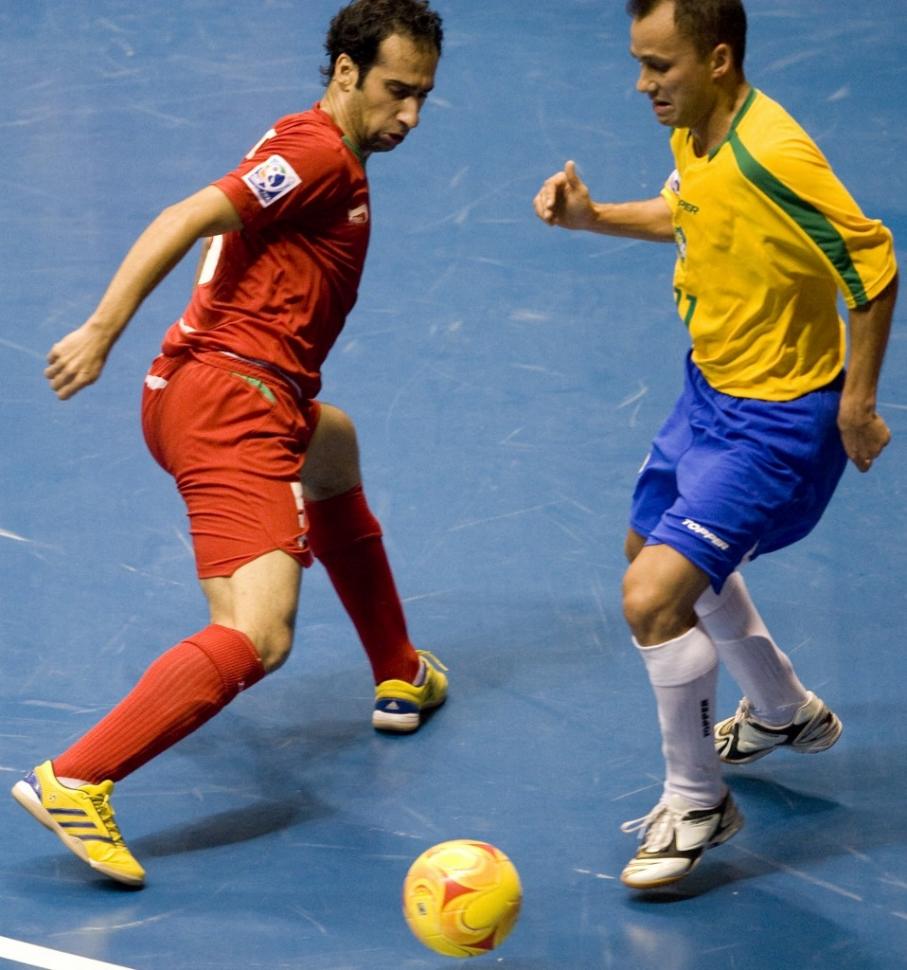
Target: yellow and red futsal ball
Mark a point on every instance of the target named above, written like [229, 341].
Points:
[462, 897]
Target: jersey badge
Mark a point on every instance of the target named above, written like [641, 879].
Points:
[271, 180]
[680, 237]
[359, 215]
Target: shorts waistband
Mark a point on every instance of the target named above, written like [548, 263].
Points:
[222, 358]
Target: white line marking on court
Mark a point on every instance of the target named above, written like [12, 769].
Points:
[12, 535]
[633, 398]
[24, 350]
[506, 515]
[39, 956]
[806, 877]
[186, 544]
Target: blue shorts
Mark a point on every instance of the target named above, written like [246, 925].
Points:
[730, 478]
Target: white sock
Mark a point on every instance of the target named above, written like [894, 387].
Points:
[763, 672]
[683, 673]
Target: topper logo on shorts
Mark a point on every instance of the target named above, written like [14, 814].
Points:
[271, 179]
[706, 534]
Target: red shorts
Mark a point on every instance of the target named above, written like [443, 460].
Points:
[234, 438]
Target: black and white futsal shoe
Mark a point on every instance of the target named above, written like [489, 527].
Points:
[741, 739]
[674, 835]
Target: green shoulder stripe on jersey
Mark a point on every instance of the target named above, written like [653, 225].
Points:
[750, 98]
[817, 226]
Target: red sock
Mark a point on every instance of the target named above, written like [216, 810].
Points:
[346, 537]
[181, 690]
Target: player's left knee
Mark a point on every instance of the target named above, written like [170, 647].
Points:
[273, 645]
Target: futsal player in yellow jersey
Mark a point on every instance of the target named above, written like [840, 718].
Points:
[766, 237]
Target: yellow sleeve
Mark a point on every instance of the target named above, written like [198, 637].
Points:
[670, 191]
[858, 250]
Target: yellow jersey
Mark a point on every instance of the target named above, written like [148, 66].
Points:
[766, 236]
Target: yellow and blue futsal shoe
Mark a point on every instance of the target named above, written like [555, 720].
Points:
[399, 705]
[83, 819]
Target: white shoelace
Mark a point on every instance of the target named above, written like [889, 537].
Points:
[655, 829]
[744, 710]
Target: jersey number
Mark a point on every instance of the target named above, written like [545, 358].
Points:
[217, 243]
[679, 296]
[211, 260]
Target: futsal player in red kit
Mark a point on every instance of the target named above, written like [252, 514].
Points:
[269, 475]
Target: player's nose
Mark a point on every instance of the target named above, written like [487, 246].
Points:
[409, 113]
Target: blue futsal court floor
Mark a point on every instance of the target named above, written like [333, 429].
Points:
[506, 379]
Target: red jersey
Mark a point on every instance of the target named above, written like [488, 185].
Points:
[278, 291]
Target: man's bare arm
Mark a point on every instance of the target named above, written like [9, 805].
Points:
[78, 358]
[863, 432]
[564, 200]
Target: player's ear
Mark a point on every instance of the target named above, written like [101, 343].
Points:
[722, 61]
[346, 73]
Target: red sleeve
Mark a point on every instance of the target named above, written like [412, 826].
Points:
[296, 172]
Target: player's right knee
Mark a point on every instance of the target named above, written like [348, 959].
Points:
[653, 616]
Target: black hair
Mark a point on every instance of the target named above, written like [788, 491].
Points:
[360, 27]
[707, 23]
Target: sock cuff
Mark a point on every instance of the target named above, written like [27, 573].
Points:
[710, 601]
[233, 655]
[681, 660]
[730, 615]
[339, 522]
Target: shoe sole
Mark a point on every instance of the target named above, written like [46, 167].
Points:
[811, 748]
[720, 839]
[661, 883]
[26, 796]
[402, 723]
